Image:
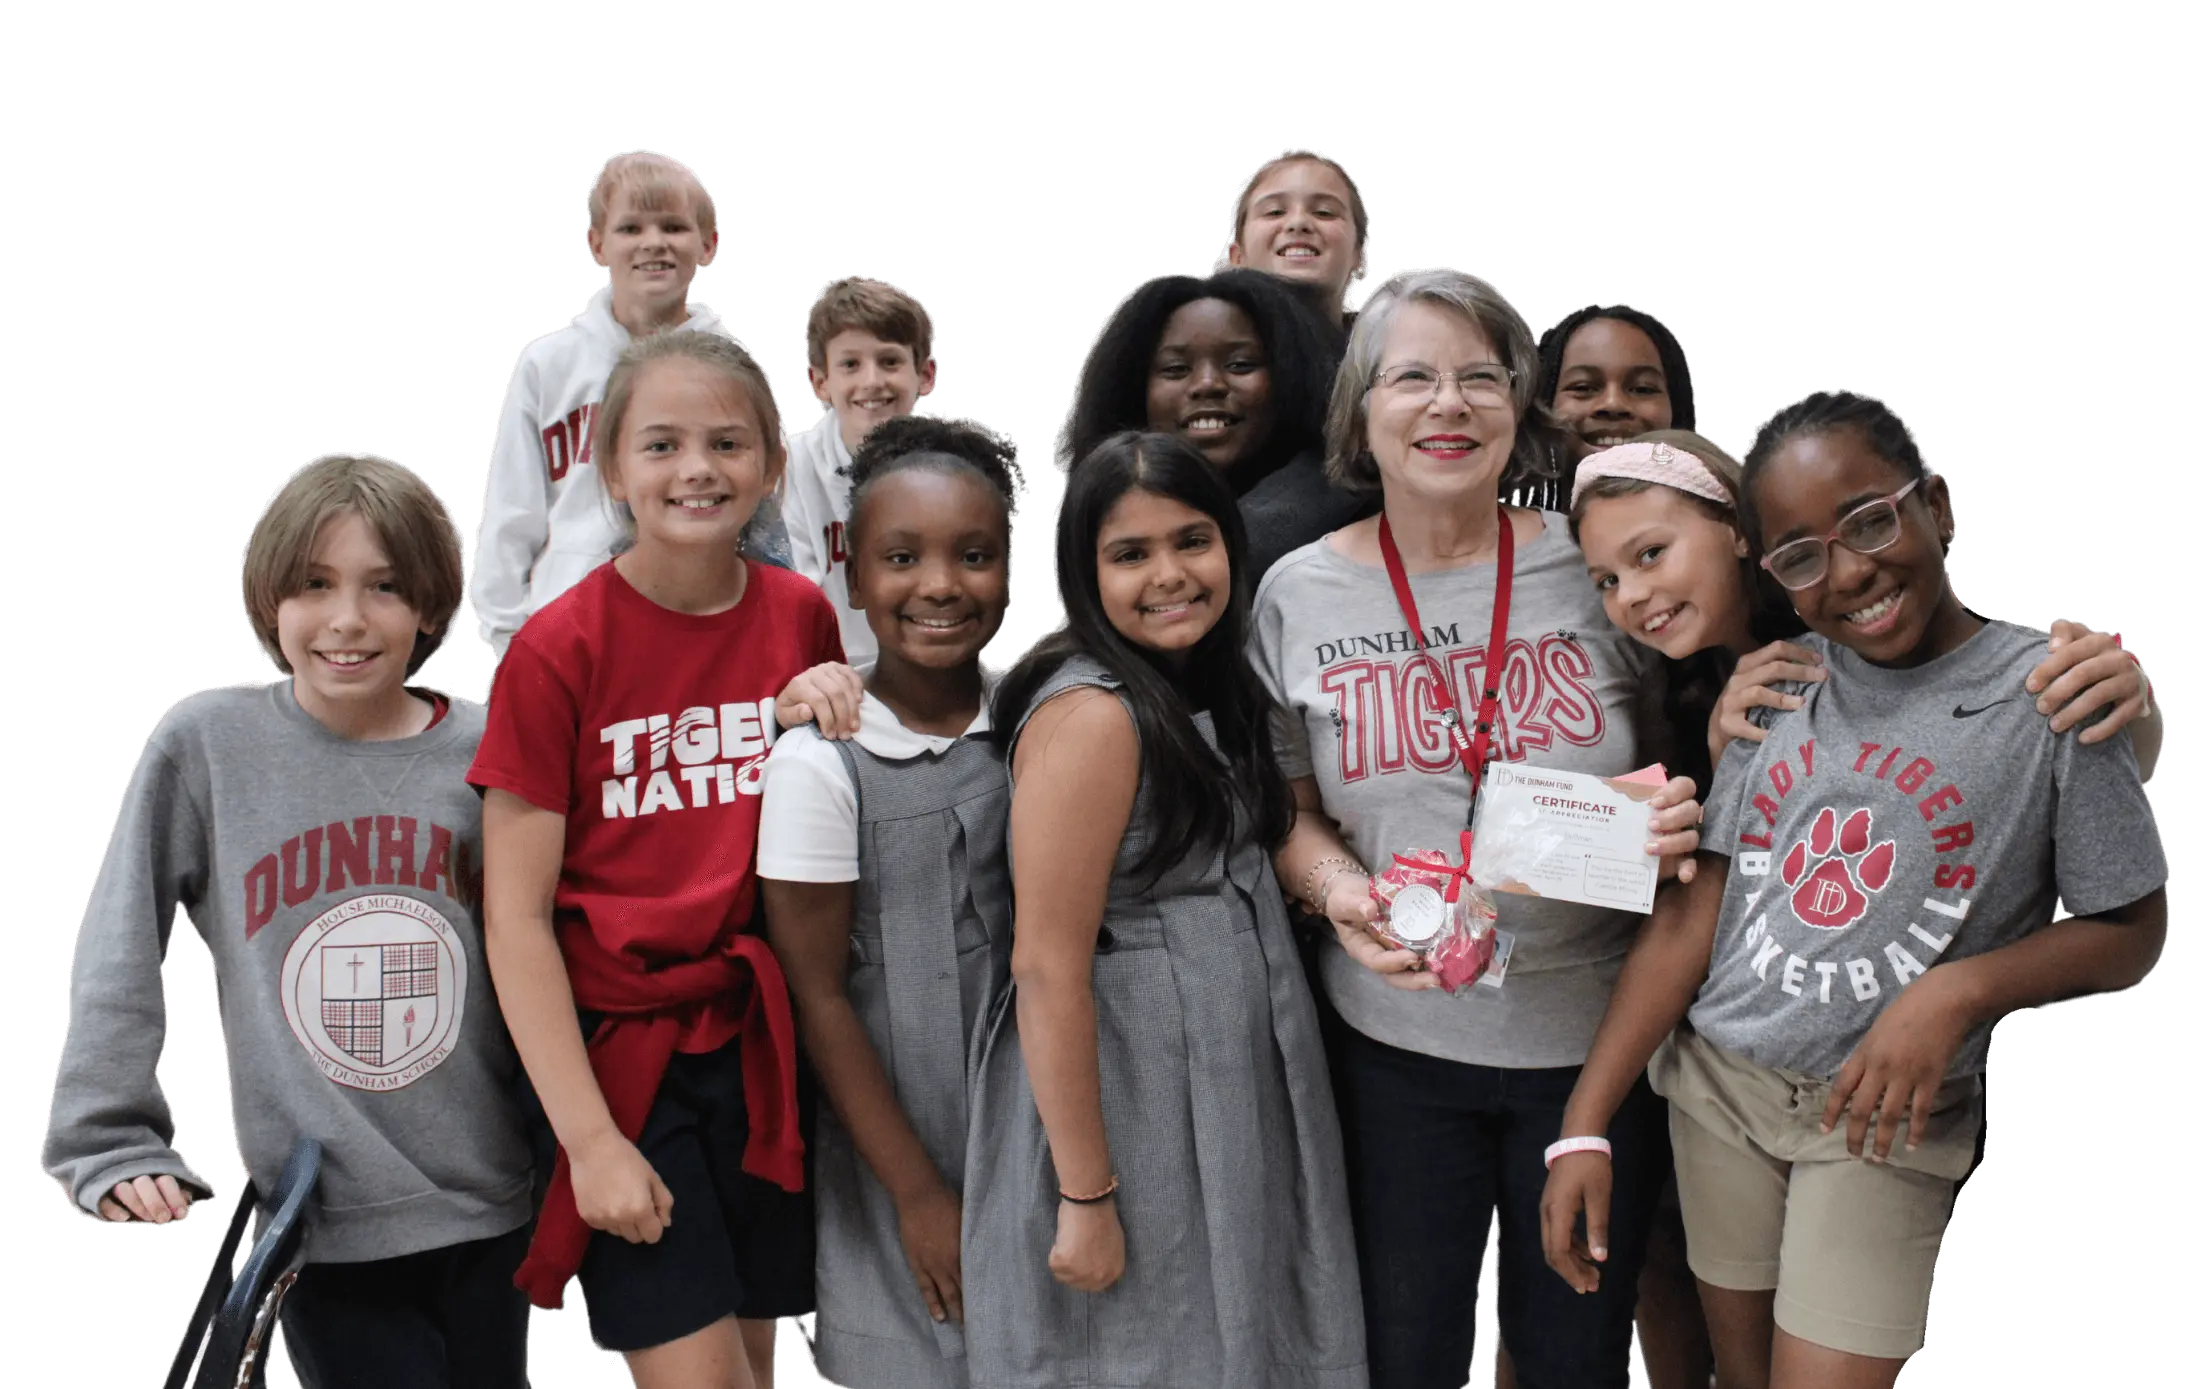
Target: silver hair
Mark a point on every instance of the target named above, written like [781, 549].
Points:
[1345, 432]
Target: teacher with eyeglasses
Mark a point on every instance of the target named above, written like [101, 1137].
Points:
[1377, 641]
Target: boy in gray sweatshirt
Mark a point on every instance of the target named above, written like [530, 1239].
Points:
[320, 835]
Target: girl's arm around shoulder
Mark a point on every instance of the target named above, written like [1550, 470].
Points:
[1662, 974]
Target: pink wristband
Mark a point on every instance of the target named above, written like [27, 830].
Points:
[1575, 1145]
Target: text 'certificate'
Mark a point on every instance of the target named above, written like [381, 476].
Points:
[1579, 838]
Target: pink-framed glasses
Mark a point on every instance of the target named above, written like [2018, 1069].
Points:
[1867, 529]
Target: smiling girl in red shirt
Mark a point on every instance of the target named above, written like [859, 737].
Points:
[622, 769]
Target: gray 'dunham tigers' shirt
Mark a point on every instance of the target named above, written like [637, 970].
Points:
[1357, 712]
[336, 884]
[1902, 817]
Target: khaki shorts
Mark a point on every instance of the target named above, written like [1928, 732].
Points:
[1771, 1201]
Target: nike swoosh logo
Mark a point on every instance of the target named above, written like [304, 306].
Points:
[1961, 713]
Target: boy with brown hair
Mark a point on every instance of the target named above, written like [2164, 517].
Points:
[868, 355]
[320, 835]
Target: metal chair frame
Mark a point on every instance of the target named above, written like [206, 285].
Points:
[236, 1313]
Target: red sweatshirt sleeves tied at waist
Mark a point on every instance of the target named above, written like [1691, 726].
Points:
[693, 1006]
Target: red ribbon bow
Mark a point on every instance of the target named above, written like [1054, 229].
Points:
[1453, 874]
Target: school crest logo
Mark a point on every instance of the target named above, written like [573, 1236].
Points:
[374, 989]
[1834, 868]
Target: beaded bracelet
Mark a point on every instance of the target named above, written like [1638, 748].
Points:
[1095, 1200]
[1346, 864]
[1322, 907]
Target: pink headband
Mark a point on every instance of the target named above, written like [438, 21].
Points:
[1659, 463]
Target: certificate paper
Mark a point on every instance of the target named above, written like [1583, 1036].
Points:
[1540, 832]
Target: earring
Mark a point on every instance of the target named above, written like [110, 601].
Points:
[1360, 270]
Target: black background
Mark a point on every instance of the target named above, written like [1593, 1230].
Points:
[344, 283]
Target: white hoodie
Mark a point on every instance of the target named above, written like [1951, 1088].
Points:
[549, 521]
[816, 510]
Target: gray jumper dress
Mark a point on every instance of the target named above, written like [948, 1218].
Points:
[930, 949]
[1239, 1263]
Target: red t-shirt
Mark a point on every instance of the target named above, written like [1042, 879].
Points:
[647, 730]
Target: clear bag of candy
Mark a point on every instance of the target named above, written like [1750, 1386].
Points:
[1457, 940]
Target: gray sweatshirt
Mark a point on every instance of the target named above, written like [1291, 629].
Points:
[337, 885]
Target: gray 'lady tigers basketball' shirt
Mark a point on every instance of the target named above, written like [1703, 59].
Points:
[1356, 712]
[1899, 818]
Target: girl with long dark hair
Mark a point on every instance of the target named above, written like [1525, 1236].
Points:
[1151, 1111]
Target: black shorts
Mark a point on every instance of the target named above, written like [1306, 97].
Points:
[736, 1245]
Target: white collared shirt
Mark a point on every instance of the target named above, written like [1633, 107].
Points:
[809, 813]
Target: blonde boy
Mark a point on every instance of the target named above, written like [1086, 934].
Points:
[548, 520]
[868, 349]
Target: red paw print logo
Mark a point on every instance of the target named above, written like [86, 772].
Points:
[1829, 869]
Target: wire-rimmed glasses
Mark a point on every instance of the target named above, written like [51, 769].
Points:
[1486, 384]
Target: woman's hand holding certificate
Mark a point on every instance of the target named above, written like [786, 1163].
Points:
[1543, 832]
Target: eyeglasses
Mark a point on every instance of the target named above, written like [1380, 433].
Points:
[1484, 383]
[1867, 529]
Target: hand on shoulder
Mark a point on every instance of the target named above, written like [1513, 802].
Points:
[2082, 673]
[826, 696]
[1752, 686]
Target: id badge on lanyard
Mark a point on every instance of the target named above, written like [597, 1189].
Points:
[1475, 752]
[1459, 942]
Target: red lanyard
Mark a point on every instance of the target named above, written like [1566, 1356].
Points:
[1474, 749]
